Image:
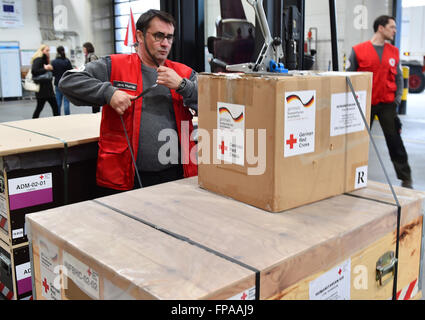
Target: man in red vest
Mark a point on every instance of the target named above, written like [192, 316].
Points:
[158, 125]
[383, 59]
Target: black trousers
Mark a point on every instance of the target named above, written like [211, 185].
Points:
[40, 105]
[391, 126]
[148, 179]
[95, 109]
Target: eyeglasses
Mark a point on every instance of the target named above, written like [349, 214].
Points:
[159, 36]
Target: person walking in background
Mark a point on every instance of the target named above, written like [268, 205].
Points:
[60, 65]
[383, 59]
[40, 64]
[88, 50]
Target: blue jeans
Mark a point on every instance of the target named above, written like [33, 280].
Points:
[59, 96]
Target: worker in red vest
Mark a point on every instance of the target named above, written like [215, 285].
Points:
[383, 59]
[159, 124]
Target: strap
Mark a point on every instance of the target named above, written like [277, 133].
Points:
[191, 242]
[394, 297]
[131, 152]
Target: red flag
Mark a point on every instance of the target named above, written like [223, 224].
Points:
[130, 36]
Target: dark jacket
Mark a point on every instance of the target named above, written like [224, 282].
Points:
[60, 65]
[46, 89]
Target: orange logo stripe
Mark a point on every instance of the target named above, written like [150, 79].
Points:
[294, 97]
[225, 110]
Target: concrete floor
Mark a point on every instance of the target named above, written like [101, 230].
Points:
[413, 136]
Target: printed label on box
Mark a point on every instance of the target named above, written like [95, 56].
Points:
[23, 278]
[332, 285]
[112, 292]
[231, 133]
[300, 123]
[83, 276]
[30, 191]
[3, 204]
[3, 198]
[17, 233]
[49, 270]
[345, 115]
[248, 294]
[361, 177]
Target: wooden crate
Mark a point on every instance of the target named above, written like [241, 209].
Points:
[294, 247]
[15, 272]
[32, 173]
[123, 259]
[163, 242]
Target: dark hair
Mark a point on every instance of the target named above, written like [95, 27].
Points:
[381, 21]
[89, 47]
[61, 52]
[145, 19]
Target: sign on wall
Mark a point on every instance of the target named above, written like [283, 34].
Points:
[11, 14]
[10, 70]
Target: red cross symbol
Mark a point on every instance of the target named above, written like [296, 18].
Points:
[89, 272]
[244, 296]
[45, 285]
[222, 147]
[291, 141]
[41, 177]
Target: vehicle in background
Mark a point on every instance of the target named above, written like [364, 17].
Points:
[412, 46]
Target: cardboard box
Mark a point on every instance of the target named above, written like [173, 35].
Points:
[278, 142]
[15, 272]
[291, 249]
[37, 172]
[178, 241]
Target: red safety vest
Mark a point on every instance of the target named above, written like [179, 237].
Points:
[384, 71]
[115, 167]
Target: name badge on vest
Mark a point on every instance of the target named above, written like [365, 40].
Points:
[125, 85]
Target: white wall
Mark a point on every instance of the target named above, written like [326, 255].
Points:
[87, 20]
[29, 35]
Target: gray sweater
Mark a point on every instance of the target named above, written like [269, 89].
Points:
[399, 77]
[92, 86]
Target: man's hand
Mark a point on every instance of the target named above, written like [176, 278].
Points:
[168, 77]
[121, 101]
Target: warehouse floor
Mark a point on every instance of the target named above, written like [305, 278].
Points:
[413, 135]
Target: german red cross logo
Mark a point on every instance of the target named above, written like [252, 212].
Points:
[291, 141]
[45, 285]
[222, 147]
